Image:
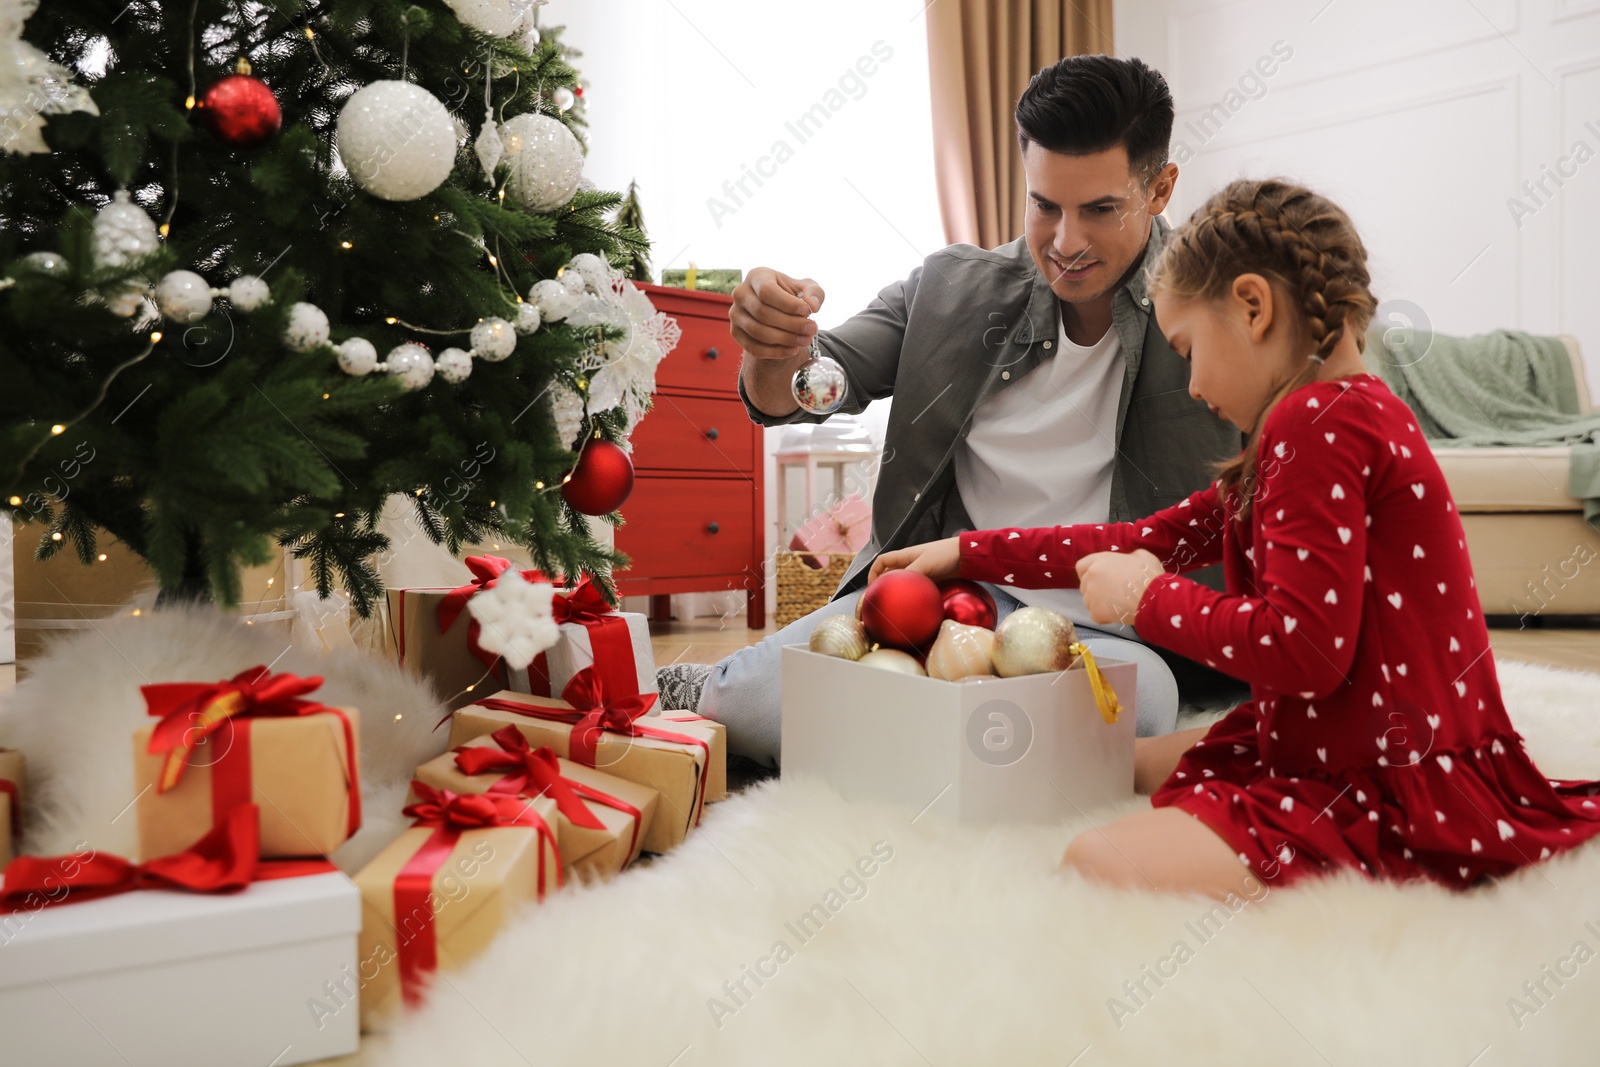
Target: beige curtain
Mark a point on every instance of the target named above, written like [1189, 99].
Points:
[981, 54]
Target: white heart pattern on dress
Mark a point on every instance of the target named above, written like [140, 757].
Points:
[1344, 534]
[1394, 598]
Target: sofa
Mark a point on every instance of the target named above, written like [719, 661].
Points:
[1533, 554]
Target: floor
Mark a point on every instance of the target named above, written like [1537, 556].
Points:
[707, 640]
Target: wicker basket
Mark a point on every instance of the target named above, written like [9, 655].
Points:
[803, 589]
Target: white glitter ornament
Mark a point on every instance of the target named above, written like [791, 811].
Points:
[563, 98]
[183, 296]
[50, 264]
[453, 365]
[412, 364]
[546, 161]
[493, 339]
[496, 18]
[527, 319]
[488, 147]
[566, 407]
[575, 283]
[514, 618]
[553, 299]
[249, 293]
[123, 233]
[357, 356]
[397, 140]
[308, 328]
[592, 269]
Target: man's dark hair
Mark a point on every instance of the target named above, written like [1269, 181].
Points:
[1087, 104]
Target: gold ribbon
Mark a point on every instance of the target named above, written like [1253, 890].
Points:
[1104, 696]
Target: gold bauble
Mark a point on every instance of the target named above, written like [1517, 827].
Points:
[839, 636]
[1033, 641]
[892, 659]
[961, 652]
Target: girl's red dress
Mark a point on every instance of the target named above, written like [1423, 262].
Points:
[1375, 737]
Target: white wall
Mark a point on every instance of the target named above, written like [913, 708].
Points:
[687, 95]
[1422, 118]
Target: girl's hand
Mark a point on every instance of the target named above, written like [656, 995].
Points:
[1113, 583]
[937, 559]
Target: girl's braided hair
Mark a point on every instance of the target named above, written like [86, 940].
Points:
[1291, 236]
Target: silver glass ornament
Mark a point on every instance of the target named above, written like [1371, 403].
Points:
[820, 385]
[51, 264]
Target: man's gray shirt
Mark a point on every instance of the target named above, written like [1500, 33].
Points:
[965, 325]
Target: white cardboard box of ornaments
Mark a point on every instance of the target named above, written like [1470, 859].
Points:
[983, 750]
[266, 975]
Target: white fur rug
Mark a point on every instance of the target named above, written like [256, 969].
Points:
[75, 715]
[962, 947]
[970, 947]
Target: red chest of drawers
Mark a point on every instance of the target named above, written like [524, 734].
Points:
[696, 518]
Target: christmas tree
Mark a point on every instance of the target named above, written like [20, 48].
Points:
[268, 262]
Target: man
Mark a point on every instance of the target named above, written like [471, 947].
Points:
[1032, 385]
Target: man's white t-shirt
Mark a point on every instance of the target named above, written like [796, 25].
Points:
[1040, 453]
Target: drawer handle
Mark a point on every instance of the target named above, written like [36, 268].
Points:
[711, 434]
[711, 353]
[713, 528]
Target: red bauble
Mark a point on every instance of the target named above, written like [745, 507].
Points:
[902, 610]
[601, 481]
[968, 603]
[241, 111]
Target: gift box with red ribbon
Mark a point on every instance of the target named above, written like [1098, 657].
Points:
[433, 635]
[601, 819]
[438, 895]
[611, 734]
[717, 772]
[13, 786]
[253, 739]
[616, 644]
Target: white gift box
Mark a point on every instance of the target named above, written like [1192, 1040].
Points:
[573, 652]
[267, 975]
[1029, 749]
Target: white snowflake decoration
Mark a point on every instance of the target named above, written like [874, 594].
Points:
[514, 618]
[622, 373]
[31, 86]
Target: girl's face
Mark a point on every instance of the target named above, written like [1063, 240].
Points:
[1239, 346]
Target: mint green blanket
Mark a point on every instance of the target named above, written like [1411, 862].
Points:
[1505, 388]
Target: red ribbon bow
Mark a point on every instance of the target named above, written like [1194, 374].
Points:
[486, 572]
[468, 811]
[449, 814]
[191, 712]
[537, 772]
[225, 860]
[585, 604]
[534, 771]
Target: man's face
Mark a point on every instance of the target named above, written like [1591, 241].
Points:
[1089, 217]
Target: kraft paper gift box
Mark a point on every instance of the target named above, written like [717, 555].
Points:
[717, 773]
[440, 893]
[13, 787]
[677, 769]
[263, 974]
[624, 810]
[300, 769]
[615, 643]
[1030, 749]
[444, 657]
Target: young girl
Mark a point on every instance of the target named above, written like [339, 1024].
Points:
[1376, 738]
